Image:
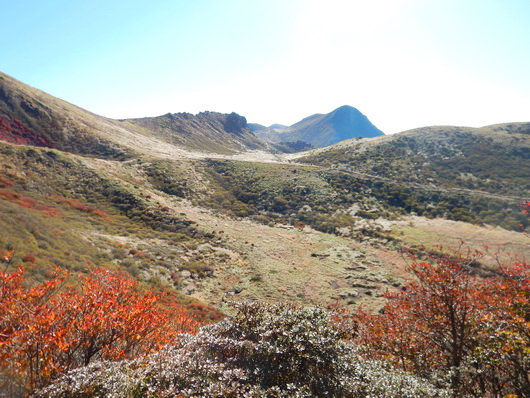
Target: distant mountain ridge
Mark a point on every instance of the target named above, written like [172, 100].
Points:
[257, 127]
[321, 130]
[32, 117]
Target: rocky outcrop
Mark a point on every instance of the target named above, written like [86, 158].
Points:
[235, 123]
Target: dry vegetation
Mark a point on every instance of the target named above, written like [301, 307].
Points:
[239, 222]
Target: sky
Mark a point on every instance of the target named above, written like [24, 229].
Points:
[403, 63]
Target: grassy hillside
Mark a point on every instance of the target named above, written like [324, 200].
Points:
[314, 232]
[214, 227]
[196, 207]
[492, 159]
[59, 211]
[329, 199]
[486, 170]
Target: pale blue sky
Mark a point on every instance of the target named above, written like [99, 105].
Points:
[403, 63]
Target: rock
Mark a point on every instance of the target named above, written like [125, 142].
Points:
[204, 248]
[235, 123]
[185, 273]
[362, 285]
[348, 294]
[190, 289]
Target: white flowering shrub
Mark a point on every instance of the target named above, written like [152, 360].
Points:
[264, 351]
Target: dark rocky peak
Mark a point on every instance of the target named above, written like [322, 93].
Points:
[235, 123]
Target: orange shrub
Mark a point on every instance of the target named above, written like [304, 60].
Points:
[48, 328]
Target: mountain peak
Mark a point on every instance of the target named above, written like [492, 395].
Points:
[346, 108]
[320, 130]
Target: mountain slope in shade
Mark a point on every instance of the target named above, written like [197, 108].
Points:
[321, 130]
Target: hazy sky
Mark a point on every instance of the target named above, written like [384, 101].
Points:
[403, 63]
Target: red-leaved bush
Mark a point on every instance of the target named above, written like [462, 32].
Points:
[468, 332]
[49, 328]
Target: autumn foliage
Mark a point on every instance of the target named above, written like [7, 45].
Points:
[49, 328]
[16, 132]
[77, 205]
[470, 333]
[29, 203]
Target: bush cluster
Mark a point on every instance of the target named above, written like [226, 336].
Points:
[265, 350]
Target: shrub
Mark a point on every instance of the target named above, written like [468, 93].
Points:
[29, 259]
[471, 333]
[47, 329]
[263, 351]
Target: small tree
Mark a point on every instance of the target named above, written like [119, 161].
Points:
[452, 327]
